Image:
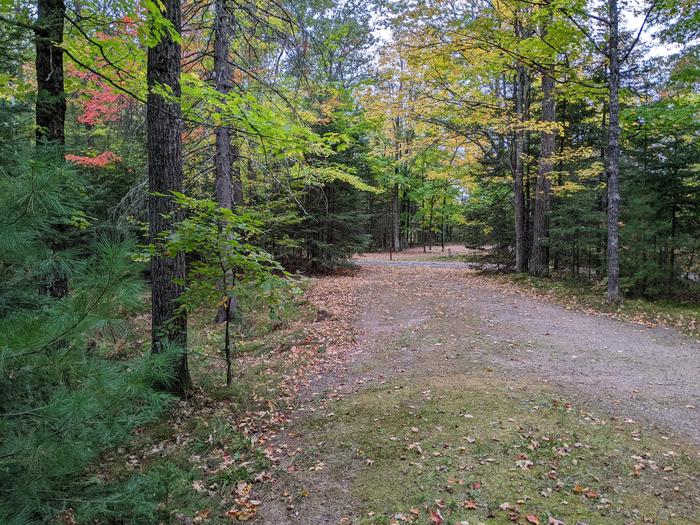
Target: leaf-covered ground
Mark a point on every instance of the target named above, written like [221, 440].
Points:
[466, 402]
[421, 395]
[582, 293]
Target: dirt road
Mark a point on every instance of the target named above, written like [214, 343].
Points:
[427, 325]
[650, 374]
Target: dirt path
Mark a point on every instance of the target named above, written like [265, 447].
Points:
[428, 324]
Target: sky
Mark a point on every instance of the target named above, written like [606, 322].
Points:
[631, 21]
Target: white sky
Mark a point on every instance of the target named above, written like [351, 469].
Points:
[631, 21]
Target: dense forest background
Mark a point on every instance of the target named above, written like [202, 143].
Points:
[207, 152]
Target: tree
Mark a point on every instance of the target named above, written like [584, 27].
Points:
[228, 191]
[51, 105]
[616, 54]
[613, 158]
[228, 186]
[539, 254]
[522, 80]
[165, 176]
[50, 95]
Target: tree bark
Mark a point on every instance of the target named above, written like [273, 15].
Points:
[51, 108]
[395, 198]
[518, 182]
[224, 157]
[165, 175]
[396, 219]
[614, 295]
[539, 256]
[50, 96]
[223, 161]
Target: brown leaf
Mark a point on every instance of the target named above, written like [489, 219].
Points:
[531, 518]
[436, 517]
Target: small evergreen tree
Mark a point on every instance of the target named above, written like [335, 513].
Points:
[63, 399]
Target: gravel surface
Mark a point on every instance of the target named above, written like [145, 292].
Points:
[651, 374]
[457, 265]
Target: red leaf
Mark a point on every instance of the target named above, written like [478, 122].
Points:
[100, 161]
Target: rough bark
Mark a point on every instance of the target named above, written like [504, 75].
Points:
[519, 171]
[51, 107]
[223, 161]
[165, 175]
[50, 97]
[614, 293]
[395, 197]
[539, 255]
[223, 157]
[229, 189]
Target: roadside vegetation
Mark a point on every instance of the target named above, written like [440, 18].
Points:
[184, 187]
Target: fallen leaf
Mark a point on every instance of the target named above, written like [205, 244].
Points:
[578, 489]
[469, 504]
[436, 517]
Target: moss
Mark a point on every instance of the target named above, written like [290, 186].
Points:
[496, 443]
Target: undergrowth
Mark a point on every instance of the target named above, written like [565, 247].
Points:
[198, 464]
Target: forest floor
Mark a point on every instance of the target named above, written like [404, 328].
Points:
[466, 400]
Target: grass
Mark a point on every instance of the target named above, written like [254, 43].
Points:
[496, 452]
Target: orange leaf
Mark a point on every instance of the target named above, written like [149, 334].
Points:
[578, 489]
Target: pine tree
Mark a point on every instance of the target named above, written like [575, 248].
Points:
[165, 176]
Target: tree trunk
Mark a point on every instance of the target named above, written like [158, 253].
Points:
[165, 175]
[51, 108]
[225, 155]
[224, 158]
[614, 293]
[672, 247]
[50, 96]
[539, 256]
[518, 184]
[430, 225]
[442, 223]
[396, 219]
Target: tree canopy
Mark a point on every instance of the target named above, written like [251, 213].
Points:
[190, 155]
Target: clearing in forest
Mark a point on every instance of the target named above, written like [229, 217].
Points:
[468, 402]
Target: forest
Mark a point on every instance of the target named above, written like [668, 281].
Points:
[191, 191]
